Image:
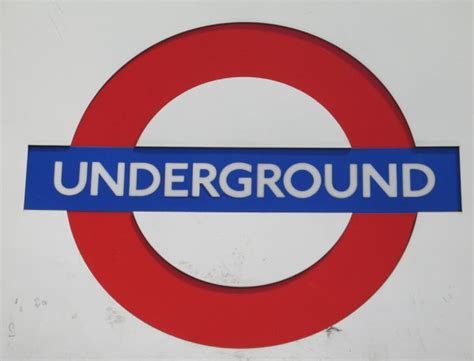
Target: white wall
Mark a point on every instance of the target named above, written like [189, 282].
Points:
[56, 56]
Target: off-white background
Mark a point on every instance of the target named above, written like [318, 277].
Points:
[56, 55]
[243, 249]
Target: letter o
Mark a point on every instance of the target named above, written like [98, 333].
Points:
[302, 193]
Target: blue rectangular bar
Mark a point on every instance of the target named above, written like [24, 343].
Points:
[236, 196]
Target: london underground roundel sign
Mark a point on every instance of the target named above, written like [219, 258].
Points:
[96, 181]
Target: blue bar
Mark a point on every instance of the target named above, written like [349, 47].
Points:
[445, 196]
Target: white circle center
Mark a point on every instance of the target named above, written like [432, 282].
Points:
[243, 249]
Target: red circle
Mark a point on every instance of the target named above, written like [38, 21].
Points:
[141, 281]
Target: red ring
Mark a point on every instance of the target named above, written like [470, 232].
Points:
[141, 281]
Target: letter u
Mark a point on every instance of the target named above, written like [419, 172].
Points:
[81, 182]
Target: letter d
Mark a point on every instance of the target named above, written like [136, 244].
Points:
[430, 180]
[133, 190]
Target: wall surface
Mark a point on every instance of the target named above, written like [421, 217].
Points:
[56, 55]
